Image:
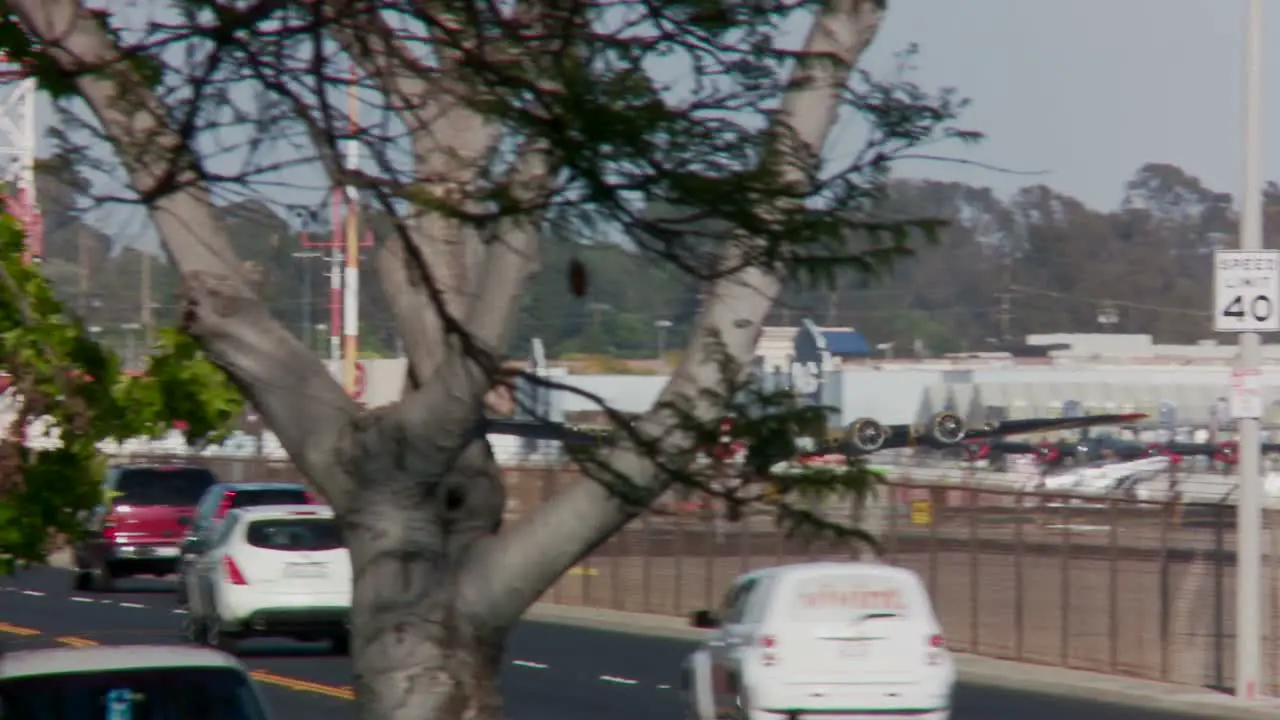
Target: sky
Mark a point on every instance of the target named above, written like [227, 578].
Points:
[1077, 95]
[1087, 91]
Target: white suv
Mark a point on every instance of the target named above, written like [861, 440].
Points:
[276, 571]
[840, 640]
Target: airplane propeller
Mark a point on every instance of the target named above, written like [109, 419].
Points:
[947, 428]
[866, 435]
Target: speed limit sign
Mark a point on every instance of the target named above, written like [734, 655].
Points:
[1246, 290]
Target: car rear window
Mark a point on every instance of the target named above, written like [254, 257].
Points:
[845, 597]
[162, 486]
[153, 694]
[273, 496]
[296, 534]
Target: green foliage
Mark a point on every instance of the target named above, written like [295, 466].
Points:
[69, 387]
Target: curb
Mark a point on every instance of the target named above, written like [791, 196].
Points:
[1119, 690]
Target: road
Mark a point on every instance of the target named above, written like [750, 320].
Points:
[554, 672]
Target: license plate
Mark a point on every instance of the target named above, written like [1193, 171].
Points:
[148, 551]
[853, 651]
[306, 571]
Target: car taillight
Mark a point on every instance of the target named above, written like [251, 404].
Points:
[109, 527]
[311, 499]
[769, 644]
[232, 572]
[937, 642]
[224, 507]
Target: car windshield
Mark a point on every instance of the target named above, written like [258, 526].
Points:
[268, 496]
[152, 694]
[162, 486]
[299, 534]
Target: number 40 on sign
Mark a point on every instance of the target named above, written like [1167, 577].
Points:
[1246, 291]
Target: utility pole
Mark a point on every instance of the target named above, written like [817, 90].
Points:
[82, 274]
[307, 296]
[148, 322]
[1249, 507]
[1004, 314]
[351, 274]
[662, 326]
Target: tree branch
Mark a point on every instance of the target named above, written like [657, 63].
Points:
[510, 571]
[286, 383]
[451, 144]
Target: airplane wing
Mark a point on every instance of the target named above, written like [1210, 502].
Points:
[861, 437]
[947, 429]
[1018, 427]
[1013, 448]
[536, 430]
[1187, 449]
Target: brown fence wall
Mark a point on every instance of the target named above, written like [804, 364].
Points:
[1119, 586]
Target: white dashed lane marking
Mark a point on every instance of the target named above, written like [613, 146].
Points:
[613, 679]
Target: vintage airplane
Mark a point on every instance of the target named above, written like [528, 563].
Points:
[862, 437]
[1105, 479]
[946, 430]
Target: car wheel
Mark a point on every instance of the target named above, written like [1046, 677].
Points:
[740, 706]
[81, 580]
[193, 629]
[216, 637]
[180, 593]
[340, 644]
[101, 580]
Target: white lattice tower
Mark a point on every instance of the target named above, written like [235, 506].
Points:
[18, 152]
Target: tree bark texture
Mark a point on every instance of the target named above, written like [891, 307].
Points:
[418, 653]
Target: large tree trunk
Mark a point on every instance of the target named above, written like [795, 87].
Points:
[419, 657]
[419, 653]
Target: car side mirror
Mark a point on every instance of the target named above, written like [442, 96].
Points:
[705, 620]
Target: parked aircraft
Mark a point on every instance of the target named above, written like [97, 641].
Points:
[945, 430]
[1104, 479]
[862, 437]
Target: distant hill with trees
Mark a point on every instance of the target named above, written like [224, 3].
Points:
[1040, 261]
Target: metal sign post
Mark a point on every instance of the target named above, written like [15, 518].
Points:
[1246, 289]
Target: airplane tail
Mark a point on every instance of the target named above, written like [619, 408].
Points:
[1074, 409]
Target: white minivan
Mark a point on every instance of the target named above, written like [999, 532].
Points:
[835, 640]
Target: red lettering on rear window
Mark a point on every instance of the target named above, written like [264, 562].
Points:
[829, 597]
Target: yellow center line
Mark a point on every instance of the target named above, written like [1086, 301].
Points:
[17, 629]
[344, 693]
[77, 641]
[340, 692]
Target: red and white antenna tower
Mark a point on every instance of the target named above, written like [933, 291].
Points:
[18, 152]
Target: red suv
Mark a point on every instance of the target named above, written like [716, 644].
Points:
[139, 527]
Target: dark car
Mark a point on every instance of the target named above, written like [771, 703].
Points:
[134, 682]
[139, 527]
[221, 499]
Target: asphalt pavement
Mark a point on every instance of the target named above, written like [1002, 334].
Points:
[554, 671]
